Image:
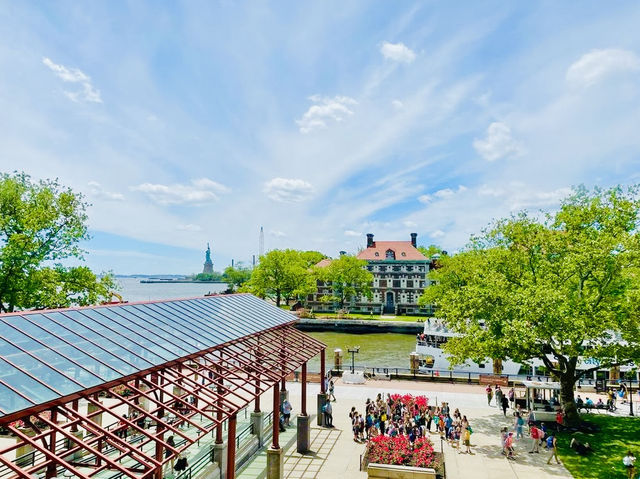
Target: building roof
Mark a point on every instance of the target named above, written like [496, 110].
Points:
[404, 251]
[324, 263]
[51, 354]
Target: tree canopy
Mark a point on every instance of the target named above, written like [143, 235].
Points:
[559, 289]
[349, 279]
[41, 224]
[235, 277]
[283, 274]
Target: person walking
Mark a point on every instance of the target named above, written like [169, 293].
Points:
[552, 443]
[512, 397]
[536, 435]
[328, 414]
[489, 392]
[505, 405]
[331, 396]
[466, 439]
[519, 425]
[629, 462]
[499, 395]
[286, 412]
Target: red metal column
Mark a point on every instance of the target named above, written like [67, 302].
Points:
[283, 385]
[304, 389]
[156, 379]
[51, 468]
[323, 388]
[220, 404]
[74, 406]
[231, 447]
[276, 417]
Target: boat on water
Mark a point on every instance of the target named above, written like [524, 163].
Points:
[433, 358]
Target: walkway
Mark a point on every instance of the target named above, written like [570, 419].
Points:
[337, 455]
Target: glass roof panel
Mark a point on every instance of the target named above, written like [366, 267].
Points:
[108, 342]
[55, 382]
[129, 338]
[10, 401]
[51, 357]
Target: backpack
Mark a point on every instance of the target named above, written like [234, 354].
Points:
[550, 442]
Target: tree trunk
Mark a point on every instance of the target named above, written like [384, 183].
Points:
[278, 299]
[567, 383]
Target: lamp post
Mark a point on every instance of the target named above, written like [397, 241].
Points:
[353, 352]
[630, 397]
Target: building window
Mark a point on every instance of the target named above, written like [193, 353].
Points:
[390, 254]
[383, 283]
[377, 254]
[383, 268]
[409, 283]
[370, 268]
[396, 283]
[420, 268]
[403, 254]
[396, 268]
[422, 284]
[409, 268]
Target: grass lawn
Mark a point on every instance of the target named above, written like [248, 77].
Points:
[617, 435]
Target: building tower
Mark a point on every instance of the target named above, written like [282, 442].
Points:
[208, 264]
[261, 244]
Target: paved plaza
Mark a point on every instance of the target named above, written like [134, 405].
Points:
[336, 455]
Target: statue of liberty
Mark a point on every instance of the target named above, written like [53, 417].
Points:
[208, 264]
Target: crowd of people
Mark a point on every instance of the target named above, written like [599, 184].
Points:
[392, 417]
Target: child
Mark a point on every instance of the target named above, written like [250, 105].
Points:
[466, 439]
[509, 447]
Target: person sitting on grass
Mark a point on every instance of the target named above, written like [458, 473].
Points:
[581, 449]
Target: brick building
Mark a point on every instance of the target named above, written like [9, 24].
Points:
[399, 277]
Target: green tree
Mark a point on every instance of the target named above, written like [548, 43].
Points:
[349, 279]
[311, 258]
[235, 277]
[41, 224]
[560, 290]
[430, 250]
[281, 274]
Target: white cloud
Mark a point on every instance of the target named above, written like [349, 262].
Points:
[96, 190]
[325, 109]
[498, 143]
[189, 227]
[288, 190]
[397, 104]
[410, 224]
[277, 233]
[199, 192]
[424, 198]
[437, 234]
[398, 52]
[444, 193]
[73, 75]
[352, 233]
[485, 190]
[597, 64]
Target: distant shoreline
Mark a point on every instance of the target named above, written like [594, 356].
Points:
[174, 281]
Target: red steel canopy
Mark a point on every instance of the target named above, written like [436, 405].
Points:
[193, 362]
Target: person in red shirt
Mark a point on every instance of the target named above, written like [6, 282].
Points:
[560, 420]
[536, 435]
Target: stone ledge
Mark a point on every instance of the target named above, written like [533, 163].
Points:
[387, 471]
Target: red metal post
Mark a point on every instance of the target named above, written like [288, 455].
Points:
[231, 447]
[304, 389]
[74, 406]
[276, 417]
[51, 468]
[220, 405]
[323, 388]
[283, 385]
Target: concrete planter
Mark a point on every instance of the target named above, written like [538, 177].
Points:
[387, 471]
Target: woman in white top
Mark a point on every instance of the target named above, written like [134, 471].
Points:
[629, 462]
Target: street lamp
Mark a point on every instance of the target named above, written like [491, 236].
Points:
[630, 397]
[353, 353]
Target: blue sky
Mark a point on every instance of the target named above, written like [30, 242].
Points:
[188, 122]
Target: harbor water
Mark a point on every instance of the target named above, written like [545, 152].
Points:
[380, 350]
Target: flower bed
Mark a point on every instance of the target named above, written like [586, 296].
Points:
[410, 401]
[399, 451]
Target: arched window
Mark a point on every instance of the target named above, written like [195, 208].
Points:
[390, 254]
